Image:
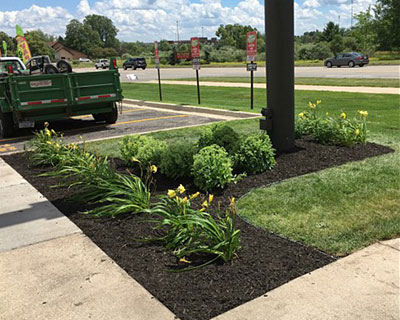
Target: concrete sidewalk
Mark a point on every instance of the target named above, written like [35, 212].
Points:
[50, 270]
[296, 87]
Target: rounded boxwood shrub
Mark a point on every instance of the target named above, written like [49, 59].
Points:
[212, 168]
[177, 160]
[255, 154]
[221, 135]
[144, 150]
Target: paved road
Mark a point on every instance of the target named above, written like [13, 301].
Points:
[384, 72]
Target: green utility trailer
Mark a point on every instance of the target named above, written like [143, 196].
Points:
[26, 99]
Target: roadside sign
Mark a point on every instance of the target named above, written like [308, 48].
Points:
[252, 46]
[156, 53]
[196, 64]
[252, 66]
[195, 47]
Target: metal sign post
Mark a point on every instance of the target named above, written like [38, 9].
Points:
[195, 53]
[251, 56]
[279, 114]
[157, 59]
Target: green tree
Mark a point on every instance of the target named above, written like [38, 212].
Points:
[364, 32]
[37, 41]
[387, 24]
[105, 29]
[336, 44]
[81, 37]
[164, 45]
[234, 35]
[330, 31]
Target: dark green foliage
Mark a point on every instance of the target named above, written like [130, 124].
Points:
[177, 160]
[221, 135]
[255, 154]
[142, 150]
[212, 168]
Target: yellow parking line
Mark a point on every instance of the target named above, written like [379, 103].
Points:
[150, 119]
[89, 115]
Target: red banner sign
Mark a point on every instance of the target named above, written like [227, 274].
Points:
[182, 55]
[252, 46]
[156, 53]
[195, 48]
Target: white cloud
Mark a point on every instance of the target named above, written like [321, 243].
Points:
[148, 20]
[311, 4]
[51, 20]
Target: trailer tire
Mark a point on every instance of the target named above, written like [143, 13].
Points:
[109, 117]
[64, 67]
[50, 69]
[7, 128]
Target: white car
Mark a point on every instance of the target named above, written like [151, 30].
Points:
[102, 64]
[84, 60]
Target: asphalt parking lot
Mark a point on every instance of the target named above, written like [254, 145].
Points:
[134, 119]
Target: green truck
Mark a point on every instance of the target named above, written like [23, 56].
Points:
[27, 98]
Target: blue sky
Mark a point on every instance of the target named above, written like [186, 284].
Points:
[149, 20]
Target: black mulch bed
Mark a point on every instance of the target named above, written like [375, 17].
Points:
[265, 262]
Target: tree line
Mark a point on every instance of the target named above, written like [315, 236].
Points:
[375, 29]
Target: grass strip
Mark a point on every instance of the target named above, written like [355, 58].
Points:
[348, 82]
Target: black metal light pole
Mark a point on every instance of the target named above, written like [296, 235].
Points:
[279, 31]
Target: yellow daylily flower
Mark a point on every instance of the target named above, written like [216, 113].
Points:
[302, 115]
[205, 204]
[185, 200]
[181, 189]
[357, 132]
[153, 168]
[363, 113]
[171, 193]
[343, 115]
[202, 209]
[210, 198]
[184, 260]
[48, 142]
[319, 102]
[133, 159]
[194, 195]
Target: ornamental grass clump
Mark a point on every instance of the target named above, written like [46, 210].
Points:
[255, 154]
[95, 180]
[141, 149]
[212, 168]
[47, 148]
[187, 231]
[332, 130]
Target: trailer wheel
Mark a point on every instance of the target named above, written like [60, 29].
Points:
[50, 69]
[109, 117]
[63, 66]
[6, 125]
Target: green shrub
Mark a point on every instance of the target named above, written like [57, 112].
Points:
[143, 150]
[177, 160]
[212, 168]
[255, 154]
[221, 135]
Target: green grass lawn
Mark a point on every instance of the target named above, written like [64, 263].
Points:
[357, 82]
[337, 210]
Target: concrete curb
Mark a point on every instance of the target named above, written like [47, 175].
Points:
[188, 108]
